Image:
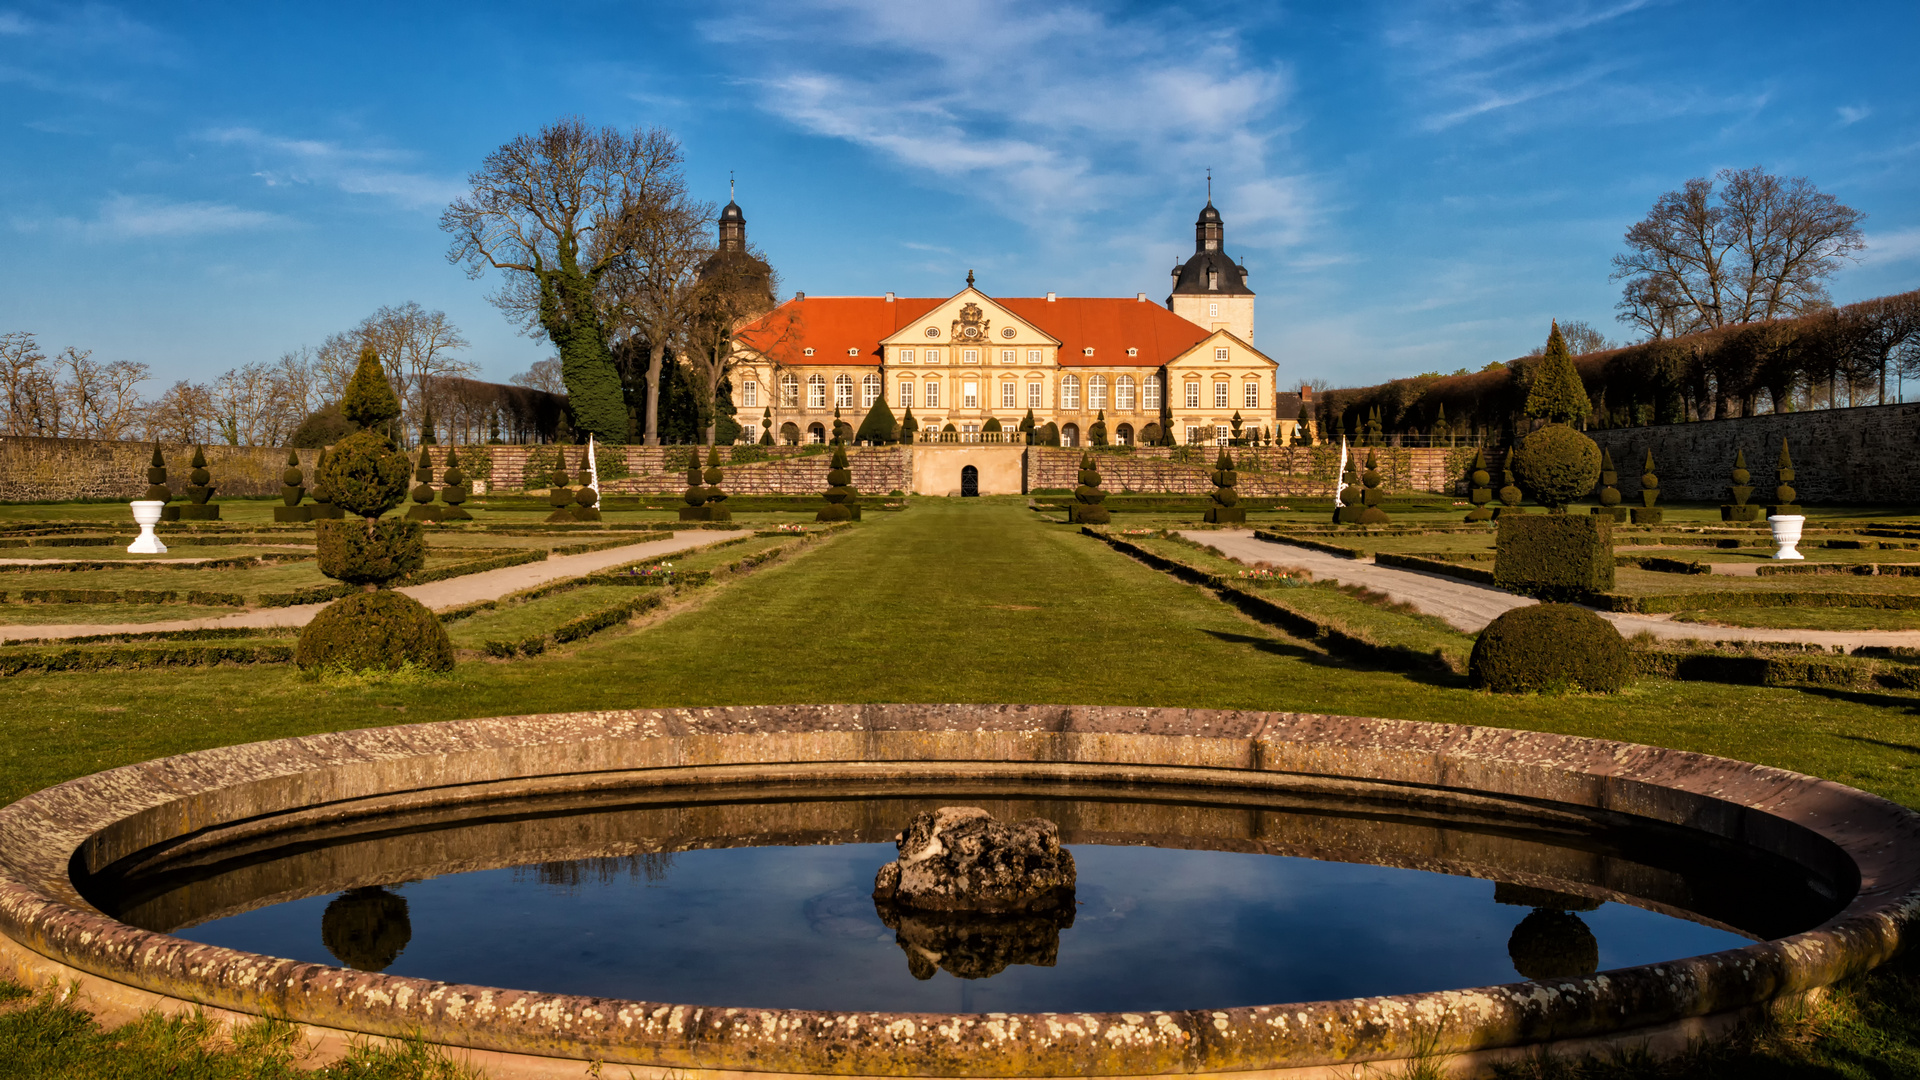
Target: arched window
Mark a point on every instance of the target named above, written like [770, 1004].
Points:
[1097, 392]
[1070, 392]
[843, 391]
[869, 389]
[816, 392]
[1150, 393]
[790, 394]
[1123, 393]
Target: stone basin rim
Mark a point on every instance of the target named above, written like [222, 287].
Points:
[42, 913]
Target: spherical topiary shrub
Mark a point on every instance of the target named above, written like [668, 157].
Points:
[363, 551]
[1557, 465]
[365, 475]
[1546, 646]
[366, 928]
[1553, 945]
[374, 631]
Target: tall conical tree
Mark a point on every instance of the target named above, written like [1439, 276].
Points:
[454, 488]
[1478, 491]
[369, 402]
[1557, 394]
[909, 428]
[423, 493]
[200, 488]
[1303, 427]
[716, 497]
[1783, 493]
[878, 428]
[1225, 508]
[1374, 495]
[842, 504]
[426, 422]
[1086, 508]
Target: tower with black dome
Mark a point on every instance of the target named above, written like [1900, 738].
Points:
[1210, 289]
[736, 267]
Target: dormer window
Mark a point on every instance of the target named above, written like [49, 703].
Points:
[808, 350]
[1133, 352]
[853, 352]
[1213, 278]
[1088, 351]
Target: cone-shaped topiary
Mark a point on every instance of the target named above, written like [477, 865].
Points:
[559, 493]
[1558, 465]
[426, 424]
[842, 431]
[1610, 489]
[563, 431]
[1440, 428]
[1097, 434]
[586, 498]
[422, 494]
[1648, 514]
[455, 490]
[1741, 490]
[1352, 496]
[1225, 508]
[715, 496]
[323, 508]
[1557, 393]
[1478, 491]
[292, 490]
[200, 488]
[374, 631]
[695, 496]
[1303, 427]
[369, 400]
[1233, 427]
[1086, 508]
[157, 489]
[1552, 944]
[366, 928]
[1373, 495]
[1548, 646]
[1783, 494]
[1510, 495]
[840, 495]
[992, 427]
[909, 428]
[766, 427]
[878, 427]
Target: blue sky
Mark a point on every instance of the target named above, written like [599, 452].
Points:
[1414, 185]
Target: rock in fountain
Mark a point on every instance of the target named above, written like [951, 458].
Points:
[972, 895]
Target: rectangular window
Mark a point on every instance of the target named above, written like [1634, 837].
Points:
[933, 356]
[1193, 436]
[1006, 356]
[1007, 398]
[1222, 435]
[1033, 395]
[970, 396]
[1220, 354]
[869, 389]
[1250, 395]
[1035, 356]
[1193, 395]
[969, 432]
[1213, 311]
[1150, 390]
[906, 356]
[1220, 395]
[906, 394]
[933, 395]
[750, 394]
[970, 356]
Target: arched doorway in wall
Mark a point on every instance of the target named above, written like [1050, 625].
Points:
[1123, 435]
[816, 433]
[790, 433]
[969, 482]
[1070, 435]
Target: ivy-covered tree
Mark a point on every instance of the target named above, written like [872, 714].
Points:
[1557, 394]
[1225, 508]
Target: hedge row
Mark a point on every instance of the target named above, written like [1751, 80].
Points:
[1430, 565]
[224, 634]
[498, 561]
[123, 596]
[58, 541]
[632, 576]
[608, 545]
[1661, 565]
[532, 645]
[1333, 637]
[1721, 601]
[1759, 669]
[595, 621]
[319, 594]
[15, 661]
[1864, 545]
[1857, 569]
[238, 562]
[1315, 545]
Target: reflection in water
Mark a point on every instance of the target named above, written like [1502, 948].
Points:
[1552, 942]
[366, 928]
[974, 945]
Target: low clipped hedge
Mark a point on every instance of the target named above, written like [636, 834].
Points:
[1554, 556]
[374, 631]
[1428, 565]
[1663, 603]
[15, 661]
[237, 562]
[595, 621]
[1661, 565]
[1856, 569]
[507, 649]
[124, 596]
[1310, 544]
[1753, 668]
[500, 560]
[1548, 646]
[608, 545]
[319, 594]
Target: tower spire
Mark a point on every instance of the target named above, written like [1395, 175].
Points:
[730, 186]
[1209, 184]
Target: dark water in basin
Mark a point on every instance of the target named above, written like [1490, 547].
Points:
[788, 920]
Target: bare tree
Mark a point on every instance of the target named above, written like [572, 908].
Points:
[1758, 247]
[184, 413]
[734, 288]
[554, 211]
[103, 399]
[29, 383]
[653, 290]
[543, 375]
[1581, 339]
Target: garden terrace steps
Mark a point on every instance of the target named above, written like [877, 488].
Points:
[1471, 607]
[486, 585]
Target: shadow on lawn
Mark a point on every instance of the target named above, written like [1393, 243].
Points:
[1444, 680]
[1908, 705]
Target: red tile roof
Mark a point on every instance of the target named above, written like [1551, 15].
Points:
[830, 325]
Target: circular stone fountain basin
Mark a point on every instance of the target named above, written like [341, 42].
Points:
[688, 889]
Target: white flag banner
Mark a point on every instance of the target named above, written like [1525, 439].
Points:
[1340, 477]
[593, 470]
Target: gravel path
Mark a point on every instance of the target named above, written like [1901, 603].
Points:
[1470, 606]
[486, 585]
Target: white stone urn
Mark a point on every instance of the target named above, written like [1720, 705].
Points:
[146, 514]
[1786, 533]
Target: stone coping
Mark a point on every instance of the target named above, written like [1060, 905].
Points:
[91, 823]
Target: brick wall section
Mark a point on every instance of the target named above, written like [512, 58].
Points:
[1866, 455]
[1264, 471]
[662, 470]
[49, 470]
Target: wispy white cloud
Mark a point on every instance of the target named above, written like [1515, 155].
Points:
[1897, 246]
[281, 161]
[147, 217]
[1052, 116]
[1852, 114]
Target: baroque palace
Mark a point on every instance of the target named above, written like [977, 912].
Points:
[962, 360]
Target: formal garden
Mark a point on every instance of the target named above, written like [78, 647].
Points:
[414, 600]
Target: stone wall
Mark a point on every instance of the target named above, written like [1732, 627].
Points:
[1264, 471]
[51, 470]
[662, 470]
[1866, 455]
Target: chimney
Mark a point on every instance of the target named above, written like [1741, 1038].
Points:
[799, 296]
[1306, 394]
[1049, 298]
[889, 298]
[1141, 298]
